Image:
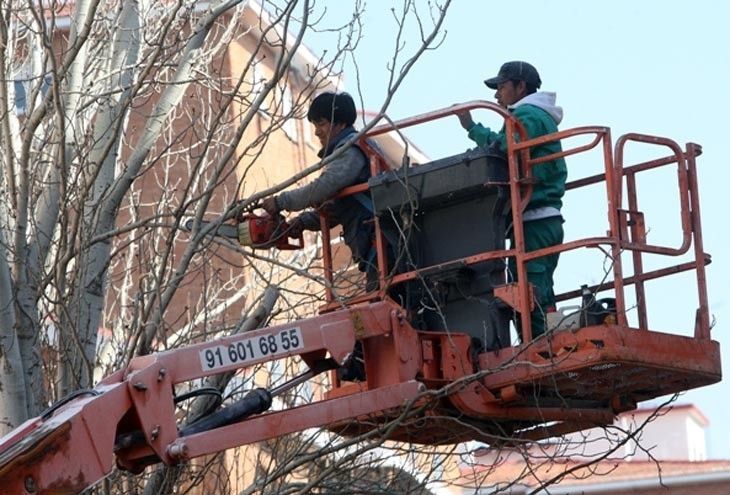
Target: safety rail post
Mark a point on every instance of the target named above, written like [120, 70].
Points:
[327, 258]
[380, 250]
[378, 165]
[613, 198]
[702, 324]
[636, 254]
[525, 302]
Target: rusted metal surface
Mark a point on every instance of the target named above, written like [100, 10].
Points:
[67, 452]
[596, 363]
[702, 325]
[573, 379]
[512, 296]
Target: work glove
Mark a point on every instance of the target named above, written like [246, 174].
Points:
[295, 228]
[269, 204]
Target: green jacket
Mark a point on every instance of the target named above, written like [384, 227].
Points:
[540, 116]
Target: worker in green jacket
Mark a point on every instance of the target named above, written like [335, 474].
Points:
[517, 84]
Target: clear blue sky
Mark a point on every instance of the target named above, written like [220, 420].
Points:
[654, 67]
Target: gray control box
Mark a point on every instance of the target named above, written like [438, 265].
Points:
[435, 214]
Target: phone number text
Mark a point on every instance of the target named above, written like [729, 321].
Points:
[251, 349]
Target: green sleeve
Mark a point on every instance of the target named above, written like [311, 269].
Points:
[481, 135]
[484, 136]
[533, 125]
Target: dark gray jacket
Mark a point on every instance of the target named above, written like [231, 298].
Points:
[350, 168]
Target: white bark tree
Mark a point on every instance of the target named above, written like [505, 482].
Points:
[75, 78]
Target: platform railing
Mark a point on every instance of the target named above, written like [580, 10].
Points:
[634, 233]
[622, 234]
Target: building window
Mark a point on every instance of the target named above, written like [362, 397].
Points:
[20, 102]
[24, 86]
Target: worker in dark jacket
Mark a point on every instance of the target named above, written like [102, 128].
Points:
[517, 84]
[333, 116]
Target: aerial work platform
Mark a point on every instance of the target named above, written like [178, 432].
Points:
[445, 357]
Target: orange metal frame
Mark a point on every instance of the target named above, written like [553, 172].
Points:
[624, 365]
[625, 232]
[75, 446]
[562, 382]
